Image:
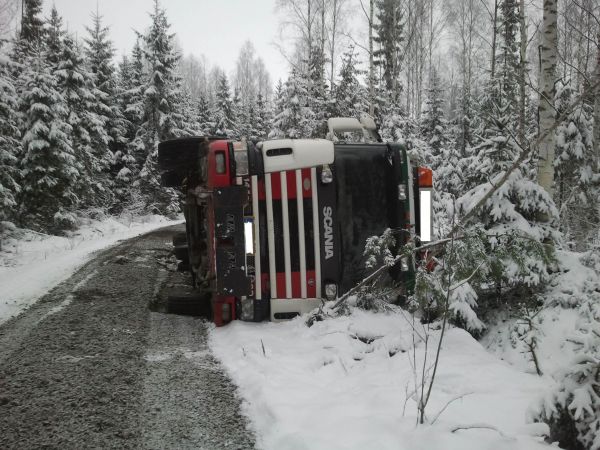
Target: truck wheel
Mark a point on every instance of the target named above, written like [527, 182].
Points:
[179, 239]
[190, 304]
[181, 253]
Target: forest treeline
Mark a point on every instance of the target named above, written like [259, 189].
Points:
[469, 85]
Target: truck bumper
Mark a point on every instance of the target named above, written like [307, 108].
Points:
[287, 308]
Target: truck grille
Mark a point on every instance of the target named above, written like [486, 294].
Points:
[286, 249]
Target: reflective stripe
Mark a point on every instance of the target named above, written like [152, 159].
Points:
[286, 235]
[317, 241]
[271, 236]
[255, 213]
[411, 198]
[301, 238]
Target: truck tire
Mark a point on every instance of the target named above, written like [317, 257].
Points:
[182, 159]
[190, 304]
[179, 239]
[181, 253]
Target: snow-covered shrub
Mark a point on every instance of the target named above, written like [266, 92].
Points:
[64, 220]
[572, 407]
[449, 287]
[380, 293]
[576, 172]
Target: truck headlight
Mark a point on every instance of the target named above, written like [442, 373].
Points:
[330, 291]
[326, 174]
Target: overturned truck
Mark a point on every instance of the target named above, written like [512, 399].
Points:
[274, 227]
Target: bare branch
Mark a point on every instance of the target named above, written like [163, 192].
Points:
[479, 426]
[590, 13]
[448, 403]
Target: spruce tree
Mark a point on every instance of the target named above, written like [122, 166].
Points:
[433, 125]
[576, 174]
[162, 117]
[89, 138]
[278, 108]
[315, 102]
[223, 114]
[262, 118]
[239, 116]
[31, 37]
[124, 163]
[49, 165]
[132, 84]
[54, 37]
[349, 96]
[520, 218]
[10, 136]
[389, 36]
[99, 54]
[295, 119]
[204, 116]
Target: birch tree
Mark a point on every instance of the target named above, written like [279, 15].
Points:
[548, 58]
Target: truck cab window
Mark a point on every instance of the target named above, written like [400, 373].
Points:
[220, 162]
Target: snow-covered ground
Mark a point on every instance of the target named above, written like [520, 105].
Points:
[34, 263]
[344, 383]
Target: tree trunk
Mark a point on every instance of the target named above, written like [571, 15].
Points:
[334, 20]
[549, 53]
[371, 61]
[597, 108]
[494, 33]
[323, 33]
[522, 64]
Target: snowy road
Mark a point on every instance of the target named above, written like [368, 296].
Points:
[90, 366]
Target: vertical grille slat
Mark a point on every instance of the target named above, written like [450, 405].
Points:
[286, 235]
[316, 237]
[257, 240]
[301, 236]
[271, 236]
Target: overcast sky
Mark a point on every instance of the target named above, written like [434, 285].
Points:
[215, 28]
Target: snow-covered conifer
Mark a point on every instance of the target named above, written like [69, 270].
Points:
[278, 108]
[88, 134]
[296, 119]
[9, 143]
[262, 118]
[576, 174]
[54, 37]
[349, 96]
[223, 113]
[162, 117]
[49, 165]
[99, 54]
[389, 36]
[31, 37]
[204, 116]
[433, 125]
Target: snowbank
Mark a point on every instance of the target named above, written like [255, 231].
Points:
[343, 383]
[34, 263]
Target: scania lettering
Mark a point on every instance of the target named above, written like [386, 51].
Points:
[328, 235]
[274, 227]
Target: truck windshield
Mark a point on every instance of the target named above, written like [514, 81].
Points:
[366, 202]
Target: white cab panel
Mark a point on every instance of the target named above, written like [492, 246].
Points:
[291, 154]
